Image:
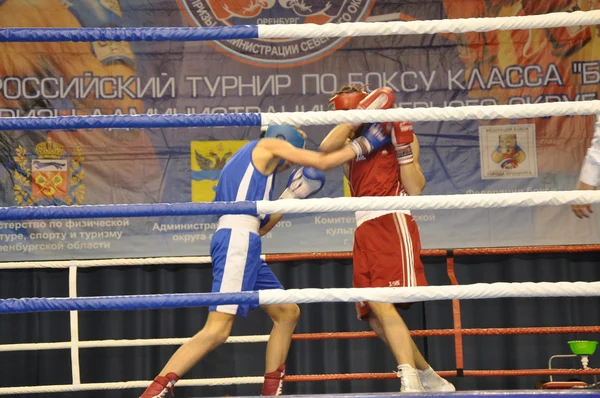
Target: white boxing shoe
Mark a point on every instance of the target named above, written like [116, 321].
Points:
[409, 379]
[433, 383]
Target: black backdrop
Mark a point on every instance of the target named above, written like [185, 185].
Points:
[308, 357]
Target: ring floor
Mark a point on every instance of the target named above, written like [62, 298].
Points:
[465, 394]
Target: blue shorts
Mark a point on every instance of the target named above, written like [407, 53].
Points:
[237, 267]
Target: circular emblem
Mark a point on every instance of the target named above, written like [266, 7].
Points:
[281, 52]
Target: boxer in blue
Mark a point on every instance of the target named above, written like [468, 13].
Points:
[236, 246]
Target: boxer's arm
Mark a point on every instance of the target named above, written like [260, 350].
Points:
[346, 168]
[303, 157]
[589, 176]
[275, 218]
[583, 211]
[372, 138]
[337, 138]
[303, 183]
[412, 177]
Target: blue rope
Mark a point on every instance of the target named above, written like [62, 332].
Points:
[127, 34]
[132, 210]
[129, 121]
[127, 303]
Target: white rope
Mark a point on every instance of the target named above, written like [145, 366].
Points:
[429, 293]
[115, 262]
[123, 343]
[465, 201]
[524, 111]
[354, 29]
[74, 328]
[225, 381]
[430, 202]
[398, 295]
[385, 294]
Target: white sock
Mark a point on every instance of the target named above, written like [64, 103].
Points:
[430, 376]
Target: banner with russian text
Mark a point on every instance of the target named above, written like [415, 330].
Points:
[88, 167]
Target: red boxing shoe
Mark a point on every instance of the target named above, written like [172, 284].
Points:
[161, 386]
[273, 383]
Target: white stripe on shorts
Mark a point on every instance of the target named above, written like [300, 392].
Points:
[409, 260]
[235, 265]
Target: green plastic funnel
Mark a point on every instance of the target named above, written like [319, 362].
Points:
[583, 347]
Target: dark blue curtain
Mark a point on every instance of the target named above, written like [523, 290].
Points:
[306, 357]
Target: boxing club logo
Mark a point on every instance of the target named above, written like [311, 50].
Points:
[271, 52]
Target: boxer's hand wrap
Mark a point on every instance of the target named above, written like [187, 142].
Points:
[102, 14]
[303, 183]
[402, 137]
[373, 137]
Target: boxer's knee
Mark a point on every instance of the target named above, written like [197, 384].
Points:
[217, 328]
[283, 313]
[383, 310]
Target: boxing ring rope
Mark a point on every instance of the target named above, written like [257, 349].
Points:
[452, 292]
[479, 112]
[304, 296]
[295, 206]
[282, 257]
[457, 332]
[300, 337]
[303, 31]
[454, 201]
[224, 381]
[479, 291]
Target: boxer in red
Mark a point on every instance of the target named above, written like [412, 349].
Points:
[386, 243]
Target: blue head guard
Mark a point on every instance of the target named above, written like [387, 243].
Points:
[287, 133]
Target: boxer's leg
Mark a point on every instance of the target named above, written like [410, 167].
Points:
[214, 333]
[285, 318]
[396, 333]
[235, 255]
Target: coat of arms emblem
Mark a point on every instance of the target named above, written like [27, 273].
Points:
[49, 176]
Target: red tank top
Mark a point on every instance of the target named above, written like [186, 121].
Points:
[377, 175]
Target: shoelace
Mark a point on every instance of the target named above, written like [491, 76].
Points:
[403, 380]
[280, 388]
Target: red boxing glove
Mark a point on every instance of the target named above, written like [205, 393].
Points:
[382, 98]
[346, 101]
[402, 137]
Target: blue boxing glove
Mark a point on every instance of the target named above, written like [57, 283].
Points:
[373, 137]
[303, 182]
[103, 14]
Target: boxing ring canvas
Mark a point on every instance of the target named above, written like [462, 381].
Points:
[117, 117]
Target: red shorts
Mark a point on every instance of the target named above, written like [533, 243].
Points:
[387, 253]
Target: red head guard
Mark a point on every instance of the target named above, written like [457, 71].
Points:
[346, 101]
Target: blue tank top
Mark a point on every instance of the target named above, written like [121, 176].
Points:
[240, 180]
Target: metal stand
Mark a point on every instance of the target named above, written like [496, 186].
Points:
[584, 362]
